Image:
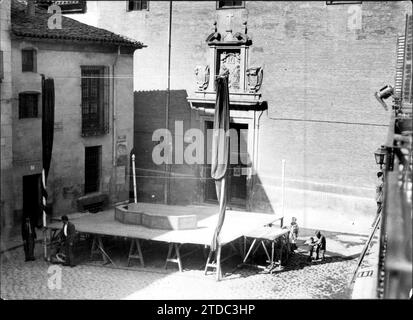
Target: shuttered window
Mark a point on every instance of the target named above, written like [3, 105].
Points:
[95, 100]
[138, 5]
[29, 60]
[230, 4]
[28, 105]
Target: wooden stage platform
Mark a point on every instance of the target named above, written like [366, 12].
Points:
[237, 224]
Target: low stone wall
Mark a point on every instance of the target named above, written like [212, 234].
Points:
[130, 214]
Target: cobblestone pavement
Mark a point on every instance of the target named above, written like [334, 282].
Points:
[299, 280]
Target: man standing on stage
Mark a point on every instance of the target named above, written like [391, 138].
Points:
[29, 238]
[68, 234]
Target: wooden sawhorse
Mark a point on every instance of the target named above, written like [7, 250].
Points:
[218, 261]
[215, 265]
[98, 248]
[177, 258]
[260, 236]
[135, 252]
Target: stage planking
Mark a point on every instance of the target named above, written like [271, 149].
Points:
[236, 224]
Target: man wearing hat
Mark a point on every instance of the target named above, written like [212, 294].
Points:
[29, 238]
[68, 234]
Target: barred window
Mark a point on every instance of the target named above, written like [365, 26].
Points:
[29, 60]
[342, 2]
[138, 5]
[95, 100]
[28, 105]
[230, 4]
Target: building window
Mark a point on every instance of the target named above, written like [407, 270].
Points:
[92, 168]
[230, 4]
[74, 6]
[28, 105]
[138, 5]
[29, 60]
[342, 2]
[95, 100]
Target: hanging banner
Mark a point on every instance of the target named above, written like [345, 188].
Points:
[220, 152]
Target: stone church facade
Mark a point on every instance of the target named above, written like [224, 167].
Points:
[302, 83]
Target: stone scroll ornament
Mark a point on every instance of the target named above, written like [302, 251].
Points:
[254, 78]
[202, 77]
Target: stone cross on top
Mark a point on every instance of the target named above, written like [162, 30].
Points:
[229, 16]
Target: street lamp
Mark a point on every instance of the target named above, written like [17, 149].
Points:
[380, 156]
[384, 93]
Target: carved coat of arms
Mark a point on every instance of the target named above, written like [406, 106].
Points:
[230, 62]
[202, 77]
[254, 78]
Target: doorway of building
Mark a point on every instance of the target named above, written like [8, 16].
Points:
[32, 197]
[92, 168]
[237, 170]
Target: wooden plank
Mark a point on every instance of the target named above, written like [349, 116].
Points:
[237, 223]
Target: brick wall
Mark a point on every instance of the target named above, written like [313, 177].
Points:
[150, 116]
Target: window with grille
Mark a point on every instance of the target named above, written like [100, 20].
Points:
[67, 6]
[92, 168]
[138, 5]
[28, 105]
[29, 60]
[342, 2]
[230, 4]
[95, 100]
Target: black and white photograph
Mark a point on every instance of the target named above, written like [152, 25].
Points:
[225, 151]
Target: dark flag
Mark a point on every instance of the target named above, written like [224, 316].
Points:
[48, 102]
[220, 151]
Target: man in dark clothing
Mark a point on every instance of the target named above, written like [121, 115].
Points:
[318, 244]
[29, 237]
[379, 191]
[68, 235]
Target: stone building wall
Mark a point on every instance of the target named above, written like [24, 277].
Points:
[63, 62]
[322, 64]
[6, 119]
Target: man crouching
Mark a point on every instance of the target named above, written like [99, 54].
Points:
[319, 244]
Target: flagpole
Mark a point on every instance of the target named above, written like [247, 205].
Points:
[168, 96]
[134, 179]
[48, 104]
[44, 200]
[282, 191]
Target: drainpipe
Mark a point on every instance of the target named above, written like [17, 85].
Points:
[114, 116]
[31, 8]
[168, 96]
